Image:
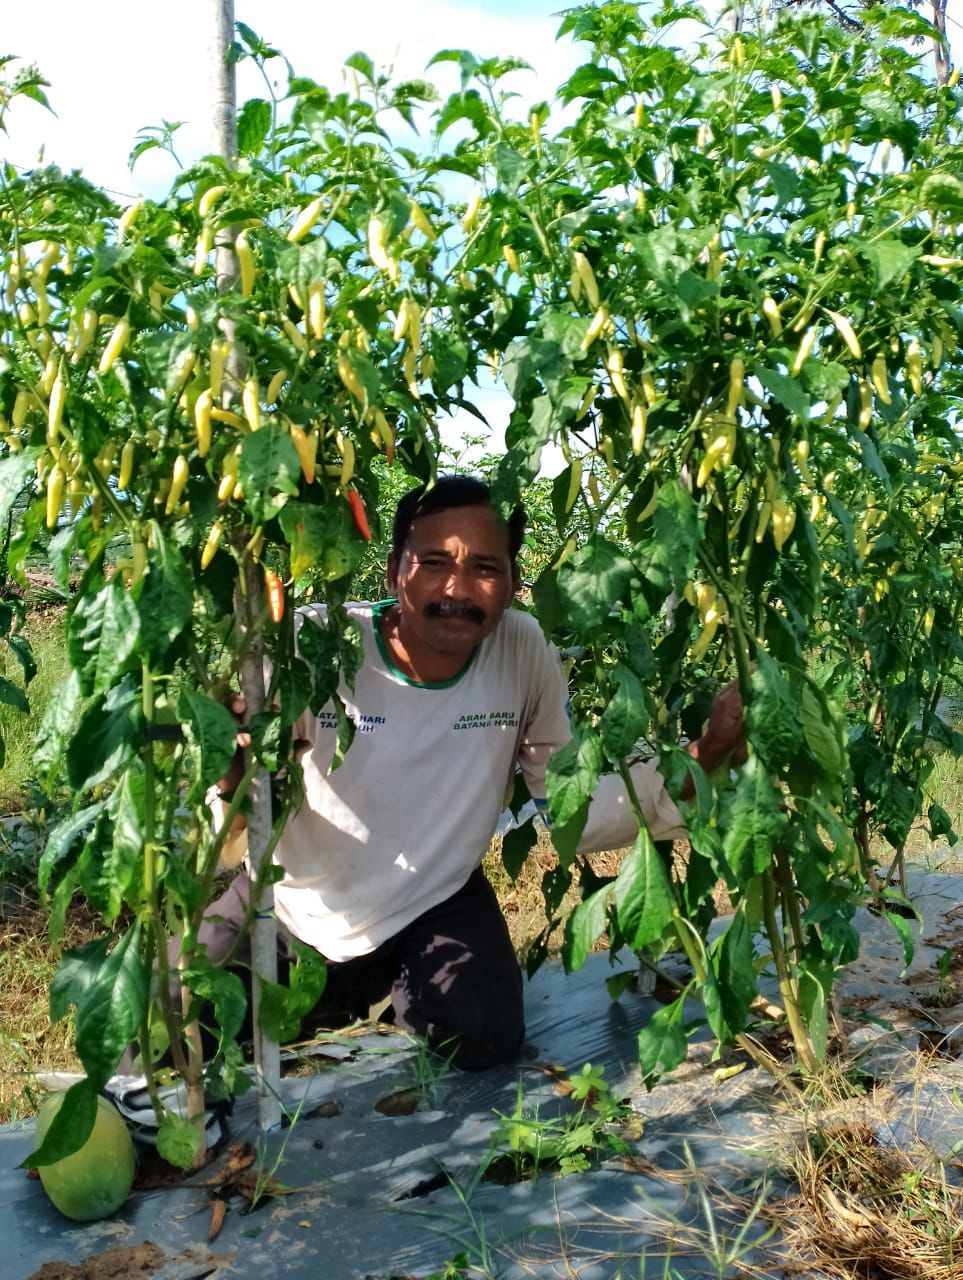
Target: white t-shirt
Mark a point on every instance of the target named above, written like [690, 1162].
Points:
[409, 814]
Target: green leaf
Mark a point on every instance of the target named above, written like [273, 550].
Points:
[281, 1008]
[820, 731]
[785, 391]
[77, 970]
[592, 581]
[179, 1139]
[109, 732]
[662, 1043]
[322, 539]
[906, 932]
[754, 822]
[70, 1128]
[124, 861]
[253, 126]
[583, 926]
[164, 597]
[572, 774]
[732, 988]
[268, 471]
[773, 715]
[510, 167]
[12, 695]
[56, 727]
[103, 636]
[112, 1008]
[644, 902]
[625, 719]
[890, 260]
[61, 841]
[318, 647]
[294, 691]
[17, 470]
[212, 731]
[223, 991]
[516, 845]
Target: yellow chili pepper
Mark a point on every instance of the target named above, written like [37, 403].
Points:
[126, 465]
[86, 332]
[800, 453]
[55, 494]
[346, 449]
[250, 400]
[306, 219]
[293, 333]
[115, 345]
[806, 345]
[929, 617]
[378, 245]
[202, 421]
[737, 374]
[587, 279]
[209, 199]
[574, 485]
[847, 333]
[783, 520]
[226, 416]
[179, 478]
[596, 326]
[471, 211]
[212, 543]
[205, 243]
[274, 386]
[420, 220]
[55, 409]
[219, 351]
[639, 419]
[706, 636]
[771, 311]
[128, 218]
[307, 447]
[317, 310]
[229, 469]
[594, 490]
[762, 522]
[914, 366]
[880, 379]
[349, 377]
[511, 257]
[865, 404]
[409, 364]
[245, 262]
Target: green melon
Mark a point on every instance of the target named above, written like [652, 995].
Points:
[96, 1180]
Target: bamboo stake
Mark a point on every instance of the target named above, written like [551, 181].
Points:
[250, 603]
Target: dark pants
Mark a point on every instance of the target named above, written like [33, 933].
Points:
[451, 974]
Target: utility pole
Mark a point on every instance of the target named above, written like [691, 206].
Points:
[249, 598]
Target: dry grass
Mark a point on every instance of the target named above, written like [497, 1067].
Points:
[28, 1041]
[865, 1208]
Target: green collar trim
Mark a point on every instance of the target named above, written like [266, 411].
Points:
[378, 613]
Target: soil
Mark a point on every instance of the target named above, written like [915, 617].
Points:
[120, 1262]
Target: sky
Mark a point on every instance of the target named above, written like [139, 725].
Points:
[114, 66]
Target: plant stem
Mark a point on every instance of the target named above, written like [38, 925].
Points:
[797, 1027]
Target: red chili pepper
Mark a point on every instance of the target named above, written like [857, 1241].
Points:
[356, 504]
[275, 590]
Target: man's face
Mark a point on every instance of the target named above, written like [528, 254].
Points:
[454, 579]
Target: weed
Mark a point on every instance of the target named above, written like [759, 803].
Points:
[526, 1142]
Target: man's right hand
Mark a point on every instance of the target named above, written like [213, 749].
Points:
[238, 707]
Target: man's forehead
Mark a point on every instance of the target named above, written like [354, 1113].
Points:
[477, 527]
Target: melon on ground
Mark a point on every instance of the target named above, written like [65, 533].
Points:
[96, 1180]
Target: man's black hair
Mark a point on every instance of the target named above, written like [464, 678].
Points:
[448, 492]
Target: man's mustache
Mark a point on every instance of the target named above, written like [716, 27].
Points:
[454, 609]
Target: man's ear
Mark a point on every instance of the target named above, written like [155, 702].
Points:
[392, 571]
